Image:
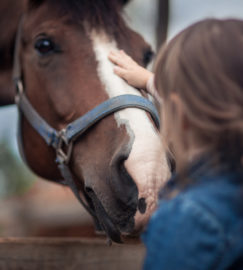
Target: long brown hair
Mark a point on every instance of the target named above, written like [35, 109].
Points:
[203, 66]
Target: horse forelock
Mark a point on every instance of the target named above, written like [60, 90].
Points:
[103, 14]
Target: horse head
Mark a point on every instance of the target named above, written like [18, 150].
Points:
[118, 164]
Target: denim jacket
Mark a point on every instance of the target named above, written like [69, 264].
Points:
[201, 228]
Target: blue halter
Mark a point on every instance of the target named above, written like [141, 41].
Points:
[75, 129]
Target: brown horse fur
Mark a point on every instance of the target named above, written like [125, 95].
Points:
[65, 85]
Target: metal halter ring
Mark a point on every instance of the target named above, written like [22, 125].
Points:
[63, 148]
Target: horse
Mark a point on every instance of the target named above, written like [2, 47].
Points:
[62, 75]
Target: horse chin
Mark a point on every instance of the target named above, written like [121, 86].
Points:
[105, 222]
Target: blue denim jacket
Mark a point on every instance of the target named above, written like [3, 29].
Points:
[201, 228]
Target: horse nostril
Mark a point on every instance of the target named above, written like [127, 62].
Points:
[88, 190]
[142, 205]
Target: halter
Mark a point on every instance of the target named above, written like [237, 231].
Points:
[62, 140]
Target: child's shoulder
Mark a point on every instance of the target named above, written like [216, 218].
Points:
[190, 224]
[183, 226]
[219, 193]
[213, 205]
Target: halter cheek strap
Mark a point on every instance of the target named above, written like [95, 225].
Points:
[62, 140]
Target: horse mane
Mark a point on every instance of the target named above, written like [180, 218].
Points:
[100, 14]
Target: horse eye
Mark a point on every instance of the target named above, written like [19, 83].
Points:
[44, 46]
[147, 57]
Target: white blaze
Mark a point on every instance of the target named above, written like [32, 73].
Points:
[147, 160]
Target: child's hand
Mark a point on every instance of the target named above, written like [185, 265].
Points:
[129, 70]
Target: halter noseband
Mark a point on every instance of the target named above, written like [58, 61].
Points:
[62, 140]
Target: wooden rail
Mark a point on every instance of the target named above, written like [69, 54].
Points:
[68, 253]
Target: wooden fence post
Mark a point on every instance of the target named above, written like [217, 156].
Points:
[68, 254]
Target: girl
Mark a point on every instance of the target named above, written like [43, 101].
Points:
[199, 77]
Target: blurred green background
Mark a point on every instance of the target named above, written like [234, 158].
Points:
[15, 177]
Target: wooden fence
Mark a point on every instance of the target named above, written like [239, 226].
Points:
[68, 253]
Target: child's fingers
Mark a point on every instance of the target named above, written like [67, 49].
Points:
[121, 59]
[121, 72]
[128, 59]
[123, 54]
[117, 60]
[116, 54]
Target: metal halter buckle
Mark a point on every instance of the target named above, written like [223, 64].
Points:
[63, 148]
